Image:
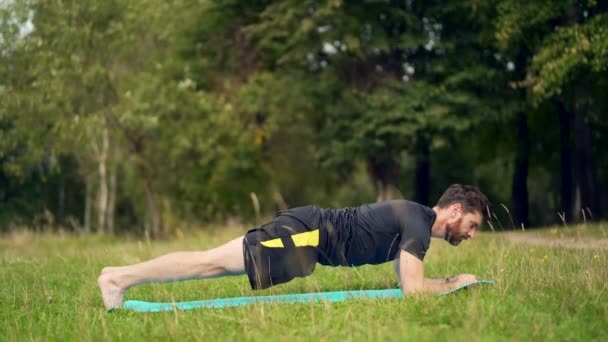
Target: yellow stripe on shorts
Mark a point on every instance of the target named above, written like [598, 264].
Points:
[306, 239]
[274, 243]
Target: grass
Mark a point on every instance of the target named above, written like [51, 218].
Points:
[581, 231]
[48, 292]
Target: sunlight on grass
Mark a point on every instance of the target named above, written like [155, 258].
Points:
[48, 291]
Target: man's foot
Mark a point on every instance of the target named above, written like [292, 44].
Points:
[109, 269]
[111, 292]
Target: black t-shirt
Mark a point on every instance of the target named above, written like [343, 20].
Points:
[371, 233]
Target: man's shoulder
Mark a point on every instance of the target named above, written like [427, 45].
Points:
[413, 215]
[404, 213]
[404, 207]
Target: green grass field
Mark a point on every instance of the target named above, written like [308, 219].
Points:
[542, 292]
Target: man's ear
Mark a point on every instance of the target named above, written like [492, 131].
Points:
[455, 208]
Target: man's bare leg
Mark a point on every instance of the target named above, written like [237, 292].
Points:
[221, 261]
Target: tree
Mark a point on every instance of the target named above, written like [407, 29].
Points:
[575, 73]
[76, 59]
[387, 71]
[548, 31]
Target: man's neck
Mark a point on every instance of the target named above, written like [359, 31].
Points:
[439, 227]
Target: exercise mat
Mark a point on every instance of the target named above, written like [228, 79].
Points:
[314, 297]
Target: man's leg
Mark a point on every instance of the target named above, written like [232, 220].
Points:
[221, 261]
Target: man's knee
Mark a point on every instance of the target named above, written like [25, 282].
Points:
[227, 258]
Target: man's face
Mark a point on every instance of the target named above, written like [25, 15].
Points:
[462, 226]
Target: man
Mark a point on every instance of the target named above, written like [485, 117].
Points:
[297, 239]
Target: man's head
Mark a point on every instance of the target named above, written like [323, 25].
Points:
[462, 206]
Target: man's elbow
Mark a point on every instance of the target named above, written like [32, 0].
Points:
[411, 290]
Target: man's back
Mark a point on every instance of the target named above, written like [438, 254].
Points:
[369, 234]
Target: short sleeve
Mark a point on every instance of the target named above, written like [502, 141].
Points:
[416, 233]
[414, 244]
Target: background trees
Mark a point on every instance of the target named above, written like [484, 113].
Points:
[147, 115]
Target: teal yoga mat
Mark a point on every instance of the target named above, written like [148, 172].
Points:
[315, 297]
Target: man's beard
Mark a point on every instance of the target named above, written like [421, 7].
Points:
[449, 237]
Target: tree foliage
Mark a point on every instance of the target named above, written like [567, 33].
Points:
[157, 114]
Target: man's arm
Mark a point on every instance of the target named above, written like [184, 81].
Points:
[411, 277]
[431, 281]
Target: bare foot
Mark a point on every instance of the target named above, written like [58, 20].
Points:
[109, 269]
[111, 292]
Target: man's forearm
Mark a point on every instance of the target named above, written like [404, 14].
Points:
[411, 277]
[437, 281]
[437, 285]
[432, 285]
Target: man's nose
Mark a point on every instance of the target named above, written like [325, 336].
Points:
[472, 233]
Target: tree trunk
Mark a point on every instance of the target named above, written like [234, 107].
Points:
[384, 172]
[102, 200]
[61, 201]
[566, 167]
[87, 204]
[520, 175]
[584, 158]
[422, 178]
[111, 200]
[156, 220]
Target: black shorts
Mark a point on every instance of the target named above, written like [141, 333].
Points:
[280, 250]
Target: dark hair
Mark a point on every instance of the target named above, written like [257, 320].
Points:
[468, 196]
